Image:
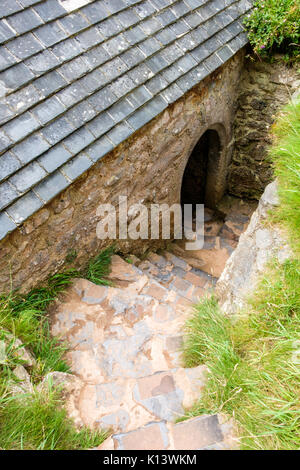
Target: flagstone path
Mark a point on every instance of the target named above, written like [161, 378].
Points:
[125, 345]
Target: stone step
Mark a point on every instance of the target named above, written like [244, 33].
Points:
[206, 432]
[125, 404]
[211, 258]
[179, 277]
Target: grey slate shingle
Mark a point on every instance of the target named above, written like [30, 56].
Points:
[54, 158]
[24, 207]
[95, 12]
[8, 165]
[140, 96]
[78, 141]
[8, 194]
[28, 177]
[109, 27]
[8, 7]
[144, 9]
[101, 124]
[97, 56]
[6, 33]
[139, 119]
[113, 6]
[167, 17]
[172, 93]
[24, 21]
[122, 85]
[140, 74]
[150, 46]
[157, 63]
[74, 69]
[50, 83]
[81, 113]
[50, 34]
[6, 58]
[16, 76]
[113, 65]
[100, 148]
[73, 23]
[24, 46]
[133, 57]
[77, 166]
[134, 35]
[30, 148]
[171, 73]
[89, 38]
[67, 49]
[6, 225]
[21, 126]
[121, 110]
[42, 62]
[56, 131]
[156, 84]
[48, 110]
[49, 10]
[102, 99]
[72, 94]
[5, 142]
[5, 113]
[52, 186]
[23, 99]
[114, 68]
[120, 132]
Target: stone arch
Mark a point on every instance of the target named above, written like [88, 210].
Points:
[204, 175]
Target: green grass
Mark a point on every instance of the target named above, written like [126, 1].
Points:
[25, 317]
[252, 374]
[275, 26]
[38, 421]
[254, 357]
[286, 157]
[98, 267]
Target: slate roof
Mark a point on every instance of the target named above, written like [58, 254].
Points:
[77, 77]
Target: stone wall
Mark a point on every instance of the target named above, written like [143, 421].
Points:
[265, 88]
[148, 168]
[257, 245]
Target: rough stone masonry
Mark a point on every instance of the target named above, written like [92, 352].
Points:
[148, 167]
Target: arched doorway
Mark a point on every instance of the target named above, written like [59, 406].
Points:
[199, 183]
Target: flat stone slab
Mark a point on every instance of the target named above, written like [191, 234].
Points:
[207, 432]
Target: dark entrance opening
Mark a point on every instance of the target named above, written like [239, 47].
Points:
[199, 179]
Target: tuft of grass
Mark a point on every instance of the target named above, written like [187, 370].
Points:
[285, 154]
[38, 421]
[98, 268]
[254, 357]
[275, 26]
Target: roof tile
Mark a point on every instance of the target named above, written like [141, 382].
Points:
[28, 177]
[30, 148]
[52, 186]
[24, 207]
[6, 225]
[8, 194]
[54, 158]
[49, 10]
[8, 165]
[77, 166]
[24, 21]
[25, 46]
[21, 126]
